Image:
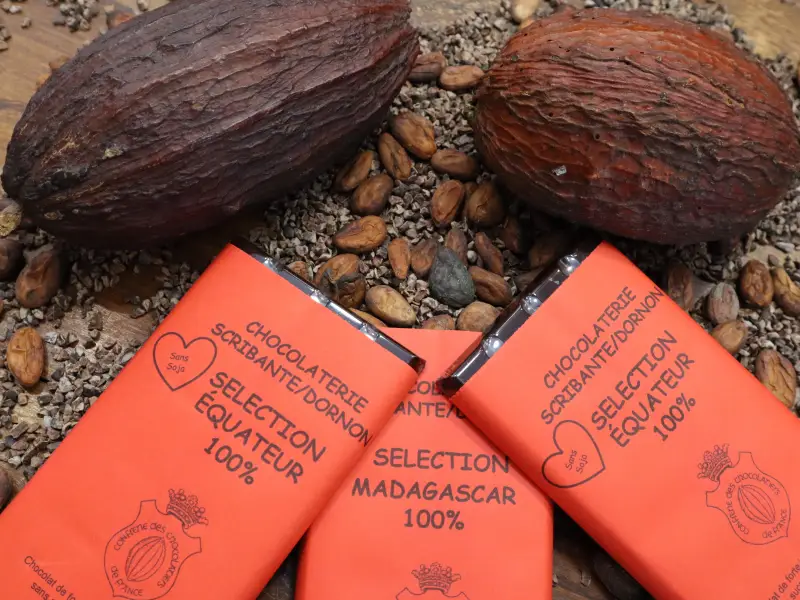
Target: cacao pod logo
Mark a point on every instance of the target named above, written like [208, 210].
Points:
[756, 504]
[145, 558]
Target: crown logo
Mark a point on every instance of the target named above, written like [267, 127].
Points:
[714, 463]
[436, 577]
[185, 508]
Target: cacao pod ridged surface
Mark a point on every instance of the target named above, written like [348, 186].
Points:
[639, 125]
[187, 114]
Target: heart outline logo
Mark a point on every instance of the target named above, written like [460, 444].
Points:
[584, 435]
[165, 376]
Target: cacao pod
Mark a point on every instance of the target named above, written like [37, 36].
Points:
[200, 109]
[756, 504]
[145, 558]
[637, 124]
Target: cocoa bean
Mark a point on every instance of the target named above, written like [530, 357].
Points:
[460, 78]
[446, 202]
[394, 158]
[457, 242]
[680, 285]
[361, 236]
[337, 267]
[340, 280]
[469, 188]
[427, 67]
[355, 172]
[25, 356]
[10, 216]
[10, 258]
[490, 287]
[371, 196]
[778, 374]
[11, 483]
[548, 248]
[58, 62]
[485, 207]
[440, 322]
[755, 284]
[455, 164]
[787, 292]
[415, 133]
[374, 321]
[492, 257]
[40, 279]
[513, 236]
[389, 306]
[5, 489]
[400, 257]
[731, 335]
[300, 269]
[723, 304]
[524, 280]
[422, 256]
[477, 316]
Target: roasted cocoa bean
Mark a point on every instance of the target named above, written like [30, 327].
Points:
[723, 304]
[455, 164]
[415, 133]
[25, 356]
[355, 172]
[427, 67]
[389, 306]
[490, 287]
[457, 242]
[446, 202]
[485, 207]
[787, 292]
[394, 157]
[362, 236]
[755, 284]
[422, 256]
[477, 316]
[731, 335]
[11, 258]
[548, 248]
[490, 255]
[460, 78]
[40, 279]
[400, 257]
[440, 322]
[371, 197]
[778, 374]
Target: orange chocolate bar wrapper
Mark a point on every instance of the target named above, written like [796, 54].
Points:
[659, 443]
[433, 510]
[210, 454]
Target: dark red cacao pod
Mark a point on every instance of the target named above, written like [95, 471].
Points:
[185, 115]
[638, 125]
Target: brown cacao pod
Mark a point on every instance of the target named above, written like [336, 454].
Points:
[756, 504]
[200, 109]
[637, 124]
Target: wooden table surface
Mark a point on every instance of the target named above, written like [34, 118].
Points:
[772, 24]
